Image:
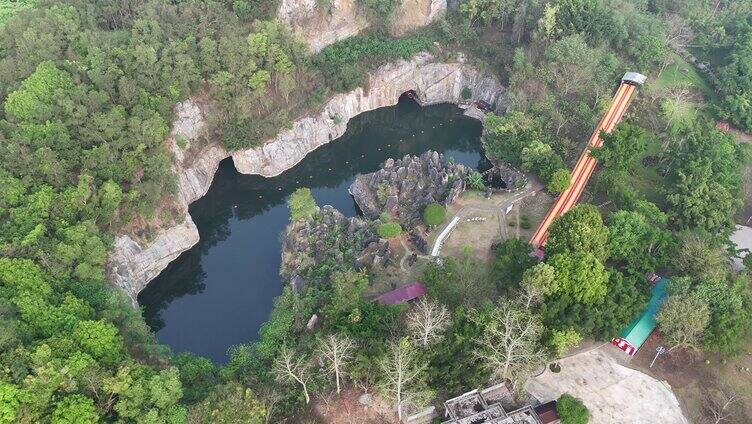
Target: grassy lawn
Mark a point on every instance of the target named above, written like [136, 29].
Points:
[682, 72]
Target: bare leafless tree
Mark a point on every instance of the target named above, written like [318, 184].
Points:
[510, 344]
[291, 367]
[720, 404]
[427, 321]
[336, 352]
[401, 368]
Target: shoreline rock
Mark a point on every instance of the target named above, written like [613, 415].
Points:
[132, 266]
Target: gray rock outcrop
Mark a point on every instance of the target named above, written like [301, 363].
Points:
[320, 27]
[329, 236]
[404, 187]
[132, 264]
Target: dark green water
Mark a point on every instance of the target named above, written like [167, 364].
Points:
[220, 292]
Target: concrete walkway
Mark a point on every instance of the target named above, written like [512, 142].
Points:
[612, 392]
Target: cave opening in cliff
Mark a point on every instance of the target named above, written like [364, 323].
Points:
[409, 96]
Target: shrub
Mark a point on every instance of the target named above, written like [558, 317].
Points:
[434, 214]
[560, 181]
[301, 203]
[389, 230]
[571, 410]
[474, 180]
[466, 93]
[525, 222]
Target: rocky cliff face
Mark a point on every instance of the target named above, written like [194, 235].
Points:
[132, 265]
[320, 27]
[432, 82]
[403, 188]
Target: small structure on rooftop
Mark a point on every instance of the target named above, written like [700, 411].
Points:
[485, 407]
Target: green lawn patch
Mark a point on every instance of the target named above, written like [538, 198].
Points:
[683, 72]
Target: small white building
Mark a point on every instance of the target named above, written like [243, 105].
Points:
[742, 237]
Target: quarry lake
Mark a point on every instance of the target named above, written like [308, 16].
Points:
[221, 291]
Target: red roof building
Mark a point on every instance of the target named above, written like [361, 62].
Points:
[402, 294]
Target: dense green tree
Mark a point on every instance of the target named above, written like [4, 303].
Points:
[506, 136]
[559, 181]
[704, 180]
[626, 297]
[99, 339]
[734, 81]
[571, 410]
[588, 17]
[11, 398]
[434, 214]
[563, 340]
[580, 276]
[580, 230]
[197, 375]
[540, 158]
[147, 395]
[459, 347]
[38, 98]
[538, 282]
[512, 259]
[347, 288]
[730, 313]
[619, 155]
[640, 243]
[389, 230]
[571, 65]
[75, 409]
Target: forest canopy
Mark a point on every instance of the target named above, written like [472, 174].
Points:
[89, 89]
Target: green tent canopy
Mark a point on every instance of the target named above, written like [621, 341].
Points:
[634, 335]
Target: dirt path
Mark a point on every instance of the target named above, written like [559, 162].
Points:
[496, 209]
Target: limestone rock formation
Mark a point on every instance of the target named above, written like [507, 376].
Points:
[132, 264]
[413, 14]
[320, 27]
[329, 236]
[404, 187]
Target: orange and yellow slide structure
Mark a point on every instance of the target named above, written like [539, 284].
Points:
[586, 163]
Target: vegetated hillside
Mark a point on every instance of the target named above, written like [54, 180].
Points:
[88, 90]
